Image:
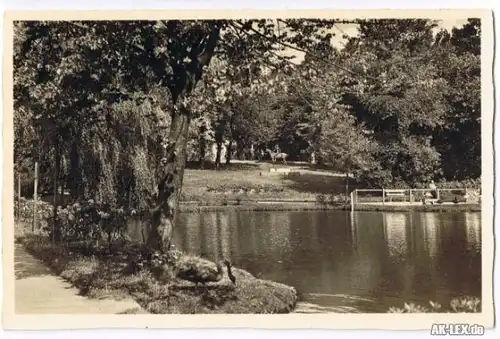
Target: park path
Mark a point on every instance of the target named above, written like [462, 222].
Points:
[39, 291]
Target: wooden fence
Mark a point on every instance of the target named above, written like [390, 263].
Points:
[411, 195]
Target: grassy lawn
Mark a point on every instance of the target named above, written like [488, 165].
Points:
[255, 181]
[99, 273]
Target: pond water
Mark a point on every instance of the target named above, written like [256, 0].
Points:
[361, 261]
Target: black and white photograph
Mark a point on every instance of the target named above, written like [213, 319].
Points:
[253, 164]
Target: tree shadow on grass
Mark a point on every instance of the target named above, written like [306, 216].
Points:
[25, 266]
[208, 165]
[317, 183]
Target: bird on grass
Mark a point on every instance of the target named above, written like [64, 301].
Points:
[201, 272]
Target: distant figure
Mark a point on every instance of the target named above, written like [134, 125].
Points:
[433, 188]
[277, 148]
[261, 154]
[466, 195]
[275, 156]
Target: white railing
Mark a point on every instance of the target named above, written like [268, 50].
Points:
[411, 195]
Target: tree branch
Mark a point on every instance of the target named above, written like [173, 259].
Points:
[309, 53]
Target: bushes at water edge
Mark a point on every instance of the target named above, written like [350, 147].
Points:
[457, 305]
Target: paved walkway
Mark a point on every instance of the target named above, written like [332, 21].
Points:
[39, 291]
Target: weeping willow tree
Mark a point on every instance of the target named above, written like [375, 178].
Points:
[119, 157]
[113, 161]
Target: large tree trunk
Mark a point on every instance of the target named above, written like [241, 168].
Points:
[202, 142]
[174, 161]
[75, 172]
[56, 234]
[218, 154]
[203, 151]
[219, 138]
[252, 152]
[347, 186]
[170, 183]
[229, 152]
[241, 151]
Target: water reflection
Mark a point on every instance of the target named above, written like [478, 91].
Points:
[386, 258]
[473, 227]
[430, 225]
[395, 234]
[278, 234]
[354, 229]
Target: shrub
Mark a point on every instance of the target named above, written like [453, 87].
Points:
[336, 199]
[24, 209]
[79, 221]
[321, 199]
[457, 305]
[474, 184]
[246, 187]
[466, 305]
[409, 308]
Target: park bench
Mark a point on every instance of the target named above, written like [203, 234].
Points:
[395, 193]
